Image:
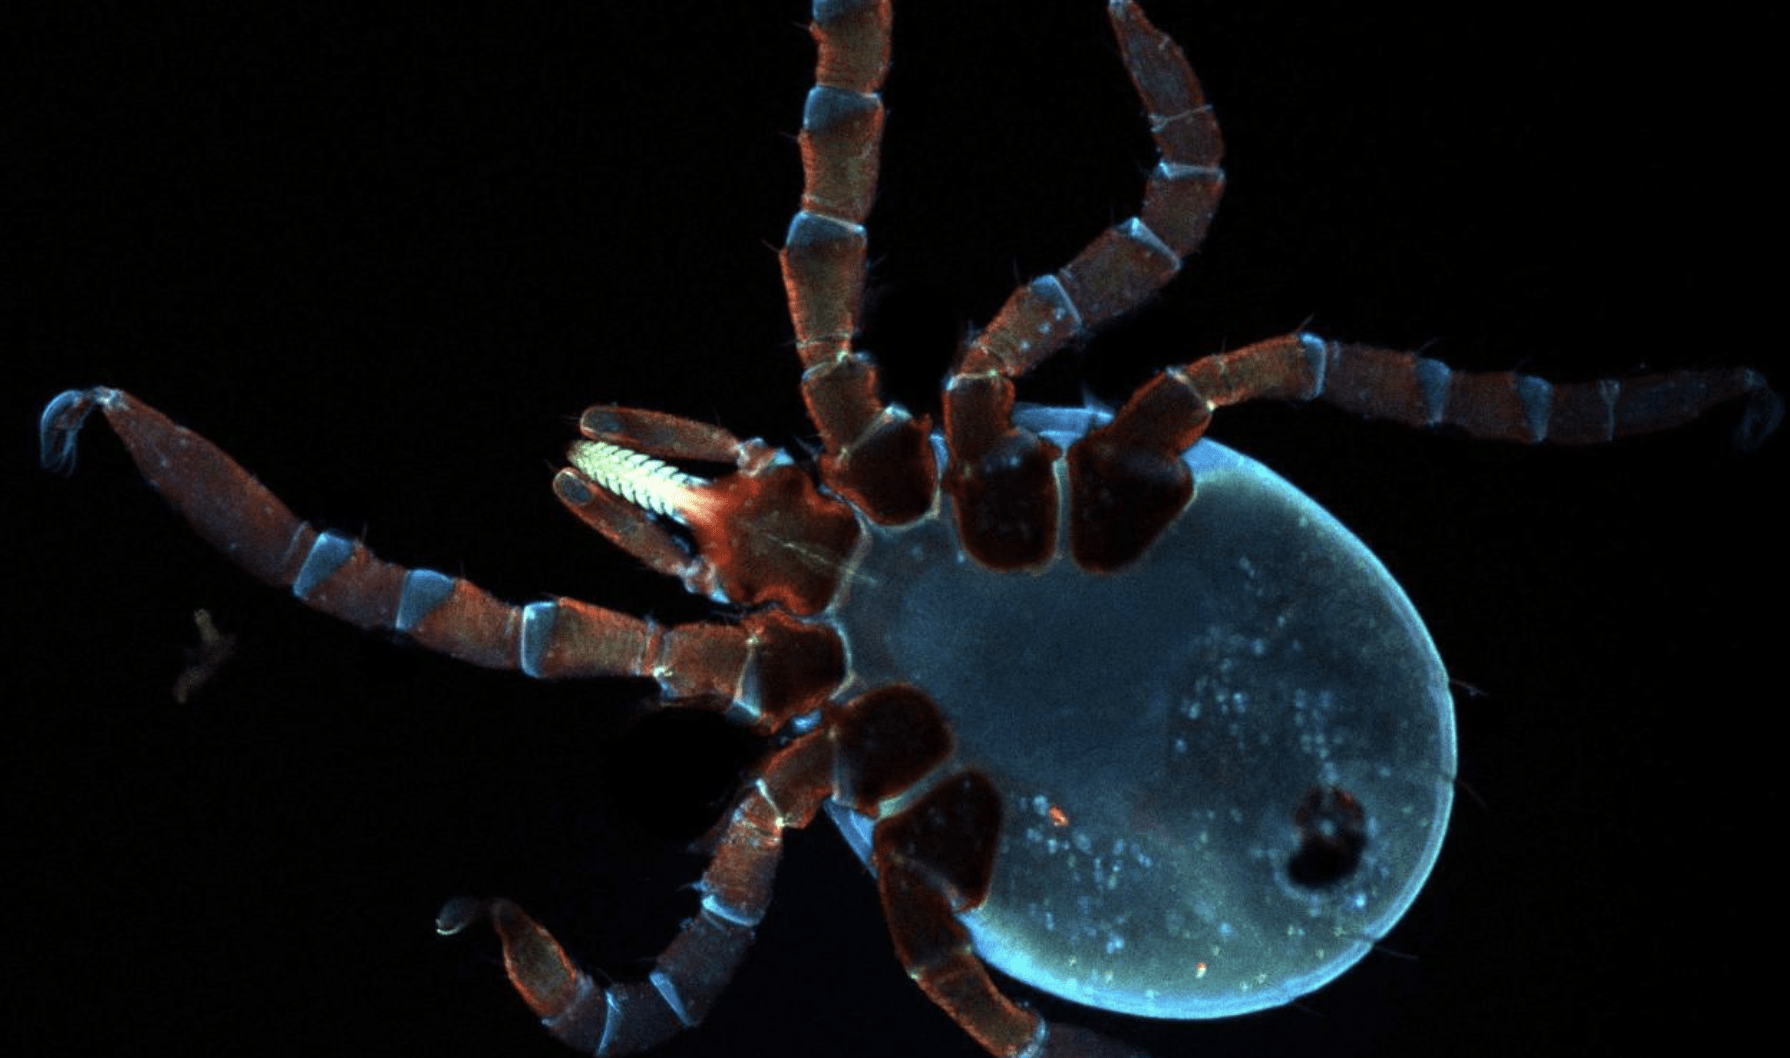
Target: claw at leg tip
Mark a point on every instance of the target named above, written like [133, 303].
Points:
[458, 913]
[56, 429]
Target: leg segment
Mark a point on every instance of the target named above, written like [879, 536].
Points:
[690, 974]
[773, 664]
[1128, 481]
[1126, 264]
[999, 475]
[876, 454]
[934, 860]
[1002, 479]
[242, 519]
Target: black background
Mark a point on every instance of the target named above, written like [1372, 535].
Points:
[386, 260]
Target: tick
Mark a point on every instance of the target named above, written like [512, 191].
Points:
[1299, 811]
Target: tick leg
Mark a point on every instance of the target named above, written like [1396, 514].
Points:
[1127, 263]
[934, 860]
[696, 966]
[1000, 476]
[338, 575]
[1506, 406]
[1414, 390]
[1002, 479]
[1127, 480]
[875, 453]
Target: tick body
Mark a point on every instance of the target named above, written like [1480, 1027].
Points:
[397, 466]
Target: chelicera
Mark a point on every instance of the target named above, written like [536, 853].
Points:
[851, 719]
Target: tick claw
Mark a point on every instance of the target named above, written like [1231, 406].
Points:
[60, 426]
[458, 913]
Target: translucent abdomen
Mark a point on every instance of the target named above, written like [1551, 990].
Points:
[1226, 768]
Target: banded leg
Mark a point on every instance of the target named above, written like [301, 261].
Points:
[791, 667]
[999, 475]
[935, 860]
[1127, 263]
[876, 454]
[690, 974]
[1132, 466]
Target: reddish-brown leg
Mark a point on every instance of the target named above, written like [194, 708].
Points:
[935, 859]
[1129, 262]
[1000, 475]
[696, 966]
[875, 454]
[792, 665]
[1127, 480]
